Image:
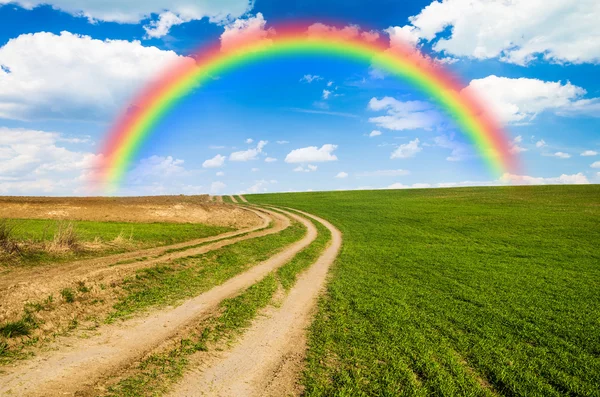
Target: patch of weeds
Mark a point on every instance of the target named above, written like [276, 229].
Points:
[8, 244]
[68, 295]
[81, 287]
[15, 328]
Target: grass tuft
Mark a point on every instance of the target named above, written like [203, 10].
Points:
[14, 329]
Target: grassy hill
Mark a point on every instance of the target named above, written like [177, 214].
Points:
[469, 291]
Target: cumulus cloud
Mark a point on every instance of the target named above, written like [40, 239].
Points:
[270, 160]
[516, 31]
[596, 164]
[374, 133]
[249, 141]
[521, 100]
[250, 154]
[215, 162]
[69, 76]
[342, 175]
[326, 94]
[516, 145]
[401, 116]
[562, 155]
[220, 173]
[589, 153]
[541, 143]
[171, 12]
[312, 154]
[157, 167]
[246, 29]
[261, 186]
[35, 162]
[407, 150]
[347, 32]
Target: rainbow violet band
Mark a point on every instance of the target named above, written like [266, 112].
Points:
[469, 112]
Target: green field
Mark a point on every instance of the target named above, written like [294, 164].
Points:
[113, 237]
[470, 292]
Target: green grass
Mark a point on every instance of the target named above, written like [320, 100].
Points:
[137, 235]
[168, 283]
[227, 199]
[471, 292]
[157, 372]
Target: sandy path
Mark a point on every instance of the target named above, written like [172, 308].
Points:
[269, 357]
[233, 199]
[35, 284]
[243, 199]
[219, 199]
[84, 363]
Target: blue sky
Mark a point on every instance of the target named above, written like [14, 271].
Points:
[68, 68]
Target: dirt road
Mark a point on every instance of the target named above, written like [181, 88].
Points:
[233, 199]
[269, 357]
[243, 199]
[80, 365]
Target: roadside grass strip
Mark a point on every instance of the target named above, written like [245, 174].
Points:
[36, 238]
[470, 292]
[156, 373]
[169, 283]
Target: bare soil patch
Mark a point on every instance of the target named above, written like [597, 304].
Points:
[178, 209]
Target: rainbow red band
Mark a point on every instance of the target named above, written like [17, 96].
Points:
[470, 113]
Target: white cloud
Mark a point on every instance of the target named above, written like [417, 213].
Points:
[374, 133]
[309, 168]
[402, 36]
[282, 142]
[329, 83]
[342, 175]
[270, 160]
[68, 76]
[515, 31]
[34, 162]
[250, 154]
[326, 94]
[171, 12]
[521, 100]
[246, 29]
[215, 162]
[596, 164]
[384, 173]
[589, 153]
[220, 173]
[217, 187]
[312, 154]
[401, 116]
[541, 143]
[249, 141]
[309, 78]
[575, 179]
[407, 150]
[562, 155]
[255, 169]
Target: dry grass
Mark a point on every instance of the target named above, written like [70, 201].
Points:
[65, 238]
[8, 244]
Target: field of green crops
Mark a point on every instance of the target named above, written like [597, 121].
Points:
[470, 292]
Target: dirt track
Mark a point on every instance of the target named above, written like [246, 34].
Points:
[243, 199]
[34, 284]
[233, 199]
[82, 364]
[269, 357]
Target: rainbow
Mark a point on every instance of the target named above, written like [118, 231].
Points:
[470, 113]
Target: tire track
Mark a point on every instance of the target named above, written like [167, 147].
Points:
[243, 199]
[269, 357]
[37, 283]
[233, 199]
[82, 365]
